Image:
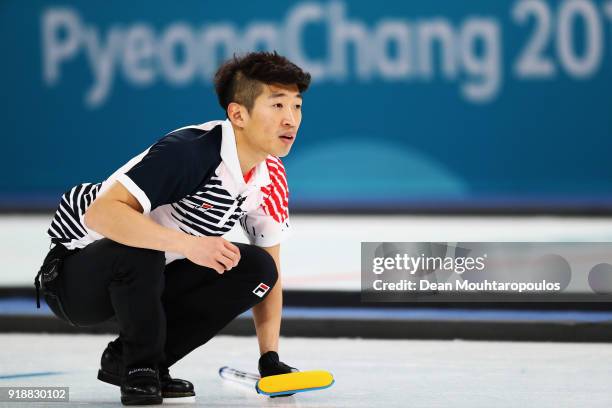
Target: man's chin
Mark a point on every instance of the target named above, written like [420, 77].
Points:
[282, 152]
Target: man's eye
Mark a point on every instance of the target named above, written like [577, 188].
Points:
[278, 105]
[298, 107]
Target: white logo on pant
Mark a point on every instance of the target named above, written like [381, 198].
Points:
[261, 290]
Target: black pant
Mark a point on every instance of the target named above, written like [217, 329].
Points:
[163, 311]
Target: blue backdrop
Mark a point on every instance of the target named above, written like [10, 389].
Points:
[414, 105]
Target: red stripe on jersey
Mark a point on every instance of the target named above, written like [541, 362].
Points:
[276, 200]
[248, 176]
[280, 189]
[279, 182]
[277, 169]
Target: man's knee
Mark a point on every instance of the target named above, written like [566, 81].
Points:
[261, 265]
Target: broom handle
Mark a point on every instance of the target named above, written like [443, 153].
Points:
[231, 374]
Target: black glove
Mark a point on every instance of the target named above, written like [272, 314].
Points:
[269, 364]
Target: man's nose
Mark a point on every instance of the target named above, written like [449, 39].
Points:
[289, 118]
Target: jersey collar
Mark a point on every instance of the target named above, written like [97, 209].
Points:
[229, 155]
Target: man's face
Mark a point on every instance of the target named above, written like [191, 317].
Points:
[274, 120]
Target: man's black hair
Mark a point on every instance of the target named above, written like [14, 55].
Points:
[240, 78]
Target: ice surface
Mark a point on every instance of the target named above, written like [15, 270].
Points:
[368, 373]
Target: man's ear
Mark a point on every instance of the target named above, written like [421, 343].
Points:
[237, 114]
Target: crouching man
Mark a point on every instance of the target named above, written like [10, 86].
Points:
[146, 246]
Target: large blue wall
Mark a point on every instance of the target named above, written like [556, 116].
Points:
[415, 105]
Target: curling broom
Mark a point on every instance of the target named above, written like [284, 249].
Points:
[282, 384]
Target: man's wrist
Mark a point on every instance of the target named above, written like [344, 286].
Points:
[178, 242]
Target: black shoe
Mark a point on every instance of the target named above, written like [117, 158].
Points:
[141, 387]
[174, 387]
[111, 367]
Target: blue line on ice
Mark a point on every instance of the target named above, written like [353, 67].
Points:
[23, 375]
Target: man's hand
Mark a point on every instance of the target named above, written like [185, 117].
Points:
[213, 252]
